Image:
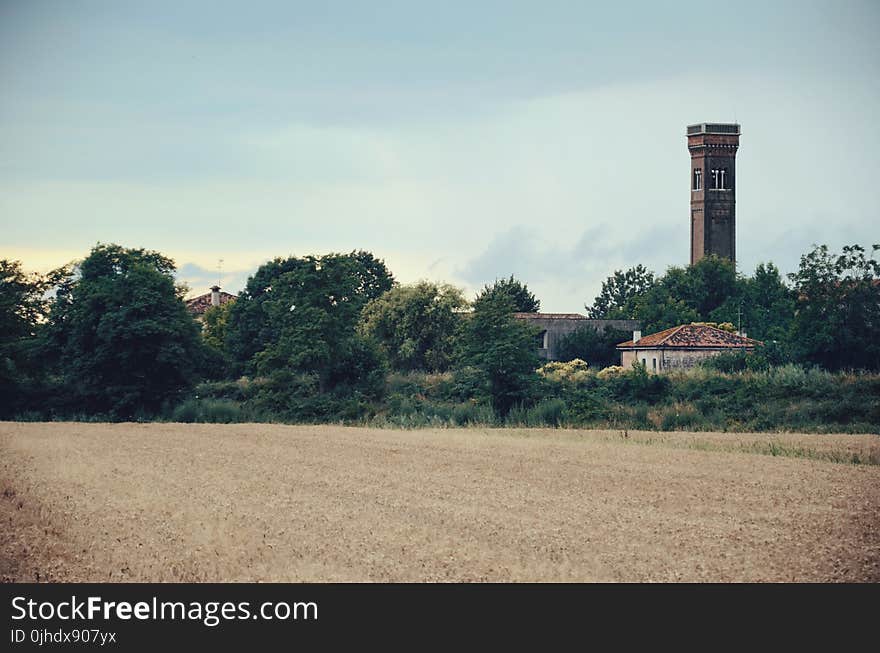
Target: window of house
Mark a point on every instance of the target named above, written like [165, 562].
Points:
[645, 362]
[698, 179]
[541, 340]
[654, 361]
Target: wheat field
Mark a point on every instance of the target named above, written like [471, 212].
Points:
[257, 502]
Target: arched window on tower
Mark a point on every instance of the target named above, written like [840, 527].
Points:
[720, 179]
[698, 179]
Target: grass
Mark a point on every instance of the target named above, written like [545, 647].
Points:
[842, 449]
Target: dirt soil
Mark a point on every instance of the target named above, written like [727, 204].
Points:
[255, 502]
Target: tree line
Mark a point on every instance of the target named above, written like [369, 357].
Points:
[109, 337]
[827, 313]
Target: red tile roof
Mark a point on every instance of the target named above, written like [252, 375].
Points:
[198, 305]
[690, 336]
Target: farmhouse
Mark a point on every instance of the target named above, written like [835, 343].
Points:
[198, 305]
[555, 326]
[681, 347]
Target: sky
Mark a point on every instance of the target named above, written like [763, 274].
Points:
[459, 141]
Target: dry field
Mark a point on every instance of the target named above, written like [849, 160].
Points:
[175, 502]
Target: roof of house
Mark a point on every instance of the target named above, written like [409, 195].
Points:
[549, 316]
[198, 305]
[691, 336]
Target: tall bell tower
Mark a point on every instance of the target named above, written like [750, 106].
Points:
[713, 149]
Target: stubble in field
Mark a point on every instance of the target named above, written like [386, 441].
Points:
[173, 502]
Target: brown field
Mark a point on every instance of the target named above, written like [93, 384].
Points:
[175, 502]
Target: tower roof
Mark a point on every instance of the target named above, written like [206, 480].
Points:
[714, 128]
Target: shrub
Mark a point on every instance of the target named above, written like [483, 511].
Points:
[573, 371]
[679, 417]
[215, 411]
[550, 412]
[613, 370]
[587, 408]
[637, 385]
[471, 413]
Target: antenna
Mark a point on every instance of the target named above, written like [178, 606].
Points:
[219, 270]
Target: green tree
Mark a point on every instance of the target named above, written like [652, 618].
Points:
[502, 348]
[214, 326]
[218, 362]
[415, 325]
[657, 310]
[837, 319]
[618, 291]
[597, 348]
[680, 296]
[704, 286]
[124, 341]
[300, 315]
[523, 301]
[23, 312]
[763, 306]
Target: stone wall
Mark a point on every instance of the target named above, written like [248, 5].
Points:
[557, 327]
[663, 359]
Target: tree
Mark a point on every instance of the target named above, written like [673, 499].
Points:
[300, 315]
[680, 296]
[703, 286]
[523, 301]
[23, 311]
[214, 328]
[837, 319]
[763, 306]
[597, 348]
[657, 310]
[415, 325]
[125, 343]
[502, 348]
[618, 291]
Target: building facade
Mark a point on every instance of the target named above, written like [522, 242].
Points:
[553, 327]
[713, 148]
[681, 347]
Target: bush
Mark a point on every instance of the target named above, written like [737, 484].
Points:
[550, 412]
[789, 397]
[471, 413]
[728, 362]
[613, 370]
[573, 371]
[637, 385]
[680, 417]
[214, 411]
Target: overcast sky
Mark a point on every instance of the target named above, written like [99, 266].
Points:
[459, 141]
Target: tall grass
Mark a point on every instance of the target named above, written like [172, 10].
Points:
[787, 398]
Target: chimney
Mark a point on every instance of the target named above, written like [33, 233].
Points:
[215, 295]
[637, 335]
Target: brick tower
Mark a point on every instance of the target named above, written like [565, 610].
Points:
[713, 149]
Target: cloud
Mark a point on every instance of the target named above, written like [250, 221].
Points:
[560, 190]
[564, 275]
[200, 279]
